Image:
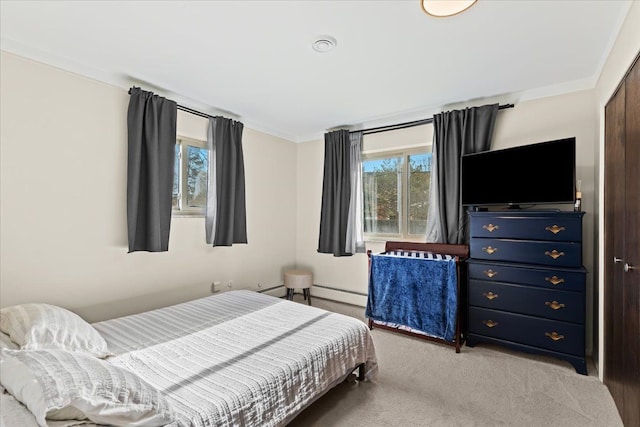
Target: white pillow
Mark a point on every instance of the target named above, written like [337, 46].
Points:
[43, 326]
[61, 385]
[6, 343]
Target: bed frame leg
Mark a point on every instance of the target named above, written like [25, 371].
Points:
[361, 372]
[352, 378]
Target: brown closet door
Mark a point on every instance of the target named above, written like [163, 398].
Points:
[631, 265]
[613, 247]
[622, 247]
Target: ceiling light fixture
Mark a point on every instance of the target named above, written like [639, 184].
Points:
[443, 8]
[324, 44]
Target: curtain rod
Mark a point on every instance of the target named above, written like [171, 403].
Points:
[195, 112]
[364, 131]
[411, 124]
[189, 110]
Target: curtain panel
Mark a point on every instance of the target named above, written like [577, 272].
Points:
[355, 226]
[336, 194]
[225, 212]
[455, 133]
[151, 126]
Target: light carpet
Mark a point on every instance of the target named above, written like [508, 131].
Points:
[421, 383]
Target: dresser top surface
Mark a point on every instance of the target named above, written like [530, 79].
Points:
[527, 214]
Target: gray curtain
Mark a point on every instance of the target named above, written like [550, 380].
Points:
[336, 193]
[355, 227]
[225, 214]
[151, 123]
[456, 133]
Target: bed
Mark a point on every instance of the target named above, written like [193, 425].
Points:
[240, 358]
[417, 289]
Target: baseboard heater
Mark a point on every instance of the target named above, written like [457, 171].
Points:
[326, 292]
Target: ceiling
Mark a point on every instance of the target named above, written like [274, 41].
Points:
[253, 61]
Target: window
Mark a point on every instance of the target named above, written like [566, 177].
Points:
[396, 194]
[190, 177]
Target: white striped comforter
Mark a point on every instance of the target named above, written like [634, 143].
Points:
[240, 358]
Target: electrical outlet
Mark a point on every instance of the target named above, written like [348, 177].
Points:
[259, 285]
[230, 284]
[215, 287]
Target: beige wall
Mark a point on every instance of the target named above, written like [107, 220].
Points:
[624, 51]
[63, 197]
[529, 122]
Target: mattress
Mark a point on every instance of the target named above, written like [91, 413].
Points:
[240, 358]
[235, 359]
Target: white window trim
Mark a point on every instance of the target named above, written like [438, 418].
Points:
[185, 211]
[403, 197]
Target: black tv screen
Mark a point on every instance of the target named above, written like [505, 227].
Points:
[542, 173]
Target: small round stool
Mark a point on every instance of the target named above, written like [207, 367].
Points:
[298, 279]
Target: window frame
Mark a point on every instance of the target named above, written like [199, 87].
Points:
[403, 196]
[183, 209]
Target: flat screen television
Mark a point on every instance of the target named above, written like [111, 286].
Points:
[542, 173]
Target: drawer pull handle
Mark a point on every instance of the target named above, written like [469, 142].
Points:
[554, 280]
[490, 273]
[554, 254]
[490, 250]
[490, 323]
[554, 229]
[490, 227]
[554, 305]
[490, 296]
[554, 336]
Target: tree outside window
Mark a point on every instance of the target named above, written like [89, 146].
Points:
[396, 194]
[190, 177]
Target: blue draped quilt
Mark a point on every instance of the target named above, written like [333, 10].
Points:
[420, 293]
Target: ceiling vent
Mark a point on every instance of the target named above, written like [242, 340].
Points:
[324, 44]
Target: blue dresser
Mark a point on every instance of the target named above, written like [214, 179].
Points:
[527, 283]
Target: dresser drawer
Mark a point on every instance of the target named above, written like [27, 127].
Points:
[547, 303]
[546, 277]
[553, 335]
[559, 254]
[566, 227]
